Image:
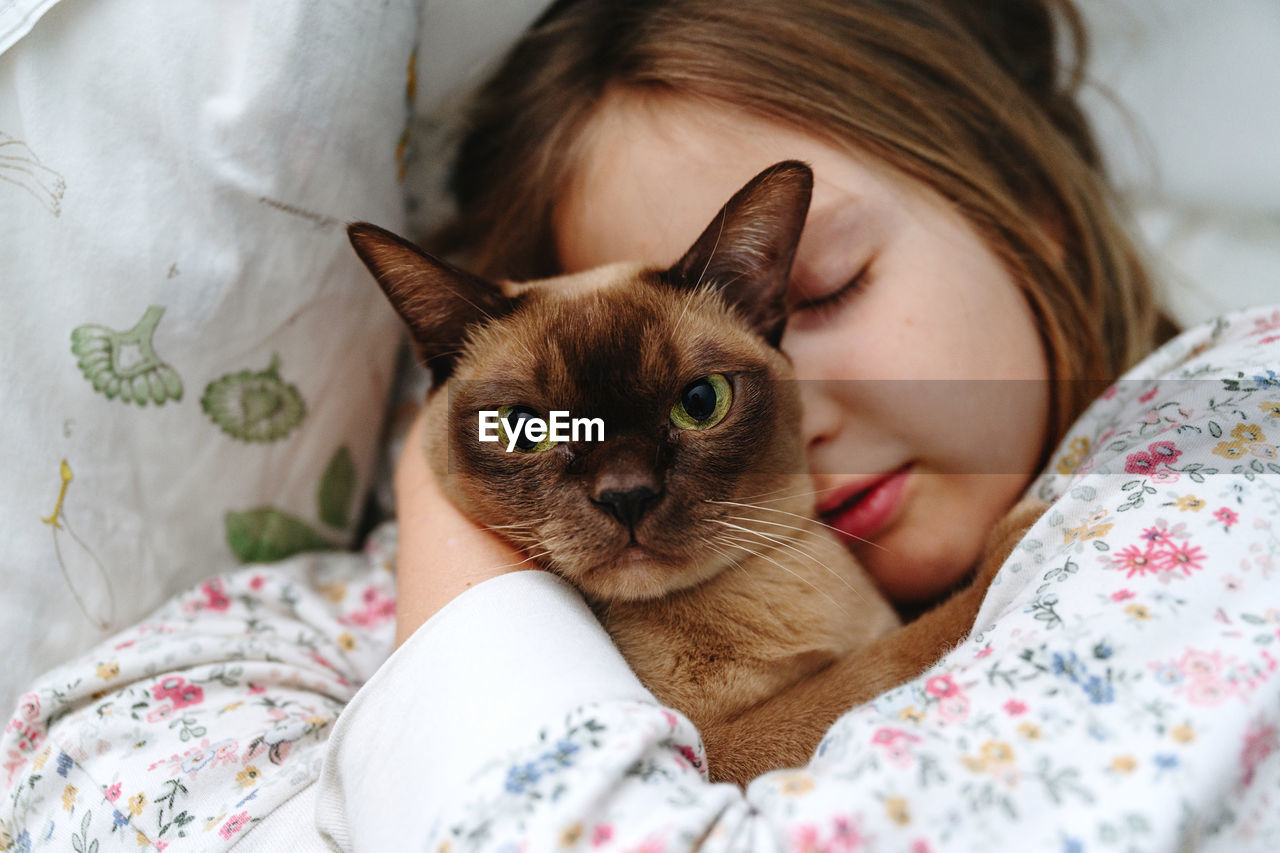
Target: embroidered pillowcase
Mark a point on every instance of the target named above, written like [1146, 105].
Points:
[195, 362]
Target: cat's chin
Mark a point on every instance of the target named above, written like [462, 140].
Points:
[637, 574]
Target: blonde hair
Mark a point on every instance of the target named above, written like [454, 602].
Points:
[968, 97]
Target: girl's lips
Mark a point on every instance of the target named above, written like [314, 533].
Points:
[863, 509]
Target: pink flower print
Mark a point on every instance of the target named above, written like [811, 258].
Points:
[1013, 707]
[1141, 462]
[1164, 452]
[1121, 595]
[920, 846]
[1202, 665]
[884, 736]
[233, 825]
[167, 686]
[176, 688]
[804, 838]
[1148, 396]
[160, 714]
[1135, 560]
[896, 744]
[845, 835]
[215, 597]
[1227, 516]
[29, 707]
[377, 608]
[1156, 535]
[1110, 392]
[112, 793]
[1262, 325]
[225, 753]
[941, 686]
[190, 694]
[983, 652]
[256, 582]
[687, 753]
[1164, 477]
[601, 834]
[1184, 556]
[953, 708]
[1209, 694]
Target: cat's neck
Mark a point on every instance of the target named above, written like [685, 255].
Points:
[773, 617]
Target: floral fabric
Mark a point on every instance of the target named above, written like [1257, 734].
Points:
[183, 732]
[1120, 690]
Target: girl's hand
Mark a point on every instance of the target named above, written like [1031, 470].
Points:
[441, 552]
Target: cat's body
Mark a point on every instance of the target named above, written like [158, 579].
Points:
[689, 529]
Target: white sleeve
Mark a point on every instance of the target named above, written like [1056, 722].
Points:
[462, 689]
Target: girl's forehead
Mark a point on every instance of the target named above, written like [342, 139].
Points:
[653, 171]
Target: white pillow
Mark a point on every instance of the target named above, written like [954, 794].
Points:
[194, 361]
[1186, 115]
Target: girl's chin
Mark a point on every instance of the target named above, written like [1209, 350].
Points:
[919, 560]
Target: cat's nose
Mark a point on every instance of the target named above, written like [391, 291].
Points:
[629, 505]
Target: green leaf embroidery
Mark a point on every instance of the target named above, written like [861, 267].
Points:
[254, 406]
[125, 364]
[266, 534]
[337, 489]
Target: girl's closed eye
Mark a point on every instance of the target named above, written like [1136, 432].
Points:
[823, 300]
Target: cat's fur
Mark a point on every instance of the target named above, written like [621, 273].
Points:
[727, 599]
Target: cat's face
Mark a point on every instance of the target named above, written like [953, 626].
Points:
[695, 415]
[680, 367]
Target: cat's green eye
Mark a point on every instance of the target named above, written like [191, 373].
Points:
[703, 403]
[515, 419]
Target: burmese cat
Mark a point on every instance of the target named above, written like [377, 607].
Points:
[689, 529]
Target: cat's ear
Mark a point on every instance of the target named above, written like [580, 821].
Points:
[747, 250]
[436, 300]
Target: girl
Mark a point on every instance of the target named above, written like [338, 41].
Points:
[1120, 685]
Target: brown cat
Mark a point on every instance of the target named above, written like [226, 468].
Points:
[689, 527]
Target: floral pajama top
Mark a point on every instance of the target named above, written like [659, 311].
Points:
[1119, 692]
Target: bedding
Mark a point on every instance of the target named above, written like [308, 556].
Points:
[1122, 685]
[195, 364]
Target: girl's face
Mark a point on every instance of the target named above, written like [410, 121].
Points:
[908, 332]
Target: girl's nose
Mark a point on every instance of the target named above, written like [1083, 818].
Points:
[820, 418]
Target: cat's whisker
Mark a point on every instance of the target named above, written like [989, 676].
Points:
[712, 253]
[813, 534]
[782, 537]
[521, 562]
[688, 300]
[524, 525]
[805, 517]
[784, 497]
[736, 540]
[792, 544]
[733, 564]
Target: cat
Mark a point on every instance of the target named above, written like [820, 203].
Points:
[689, 529]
